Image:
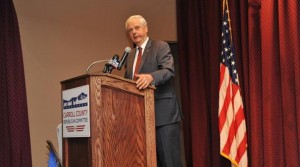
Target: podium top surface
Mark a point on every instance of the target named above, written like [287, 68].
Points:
[90, 75]
[104, 75]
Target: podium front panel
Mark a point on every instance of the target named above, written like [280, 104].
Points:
[122, 125]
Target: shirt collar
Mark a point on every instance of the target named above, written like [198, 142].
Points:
[144, 44]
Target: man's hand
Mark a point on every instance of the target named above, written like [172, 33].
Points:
[143, 80]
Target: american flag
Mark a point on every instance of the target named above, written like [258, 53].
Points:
[232, 125]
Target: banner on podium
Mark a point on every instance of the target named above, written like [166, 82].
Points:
[76, 113]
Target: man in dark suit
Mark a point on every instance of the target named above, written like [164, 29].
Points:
[156, 67]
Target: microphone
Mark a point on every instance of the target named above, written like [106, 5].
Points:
[111, 64]
[125, 54]
[115, 63]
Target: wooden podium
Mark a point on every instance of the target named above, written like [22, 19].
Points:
[122, 125]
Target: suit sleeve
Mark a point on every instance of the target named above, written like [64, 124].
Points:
[165, 64]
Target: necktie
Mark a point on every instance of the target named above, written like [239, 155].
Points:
[138, 61]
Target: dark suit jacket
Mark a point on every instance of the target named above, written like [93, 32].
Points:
[157, 60]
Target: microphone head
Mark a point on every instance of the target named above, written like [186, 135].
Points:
[127, 49]
[115, 57]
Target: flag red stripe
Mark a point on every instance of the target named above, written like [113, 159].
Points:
[222, 74]
[239, 117]
[235, 124]
[242, 148]
[231, 135]
[226, 99]
[224, 110]
[235, 89]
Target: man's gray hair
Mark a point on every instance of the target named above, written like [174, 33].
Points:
[141, 18]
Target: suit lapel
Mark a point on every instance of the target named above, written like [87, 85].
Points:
[145, 54]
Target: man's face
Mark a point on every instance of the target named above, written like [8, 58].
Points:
[137, 31]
